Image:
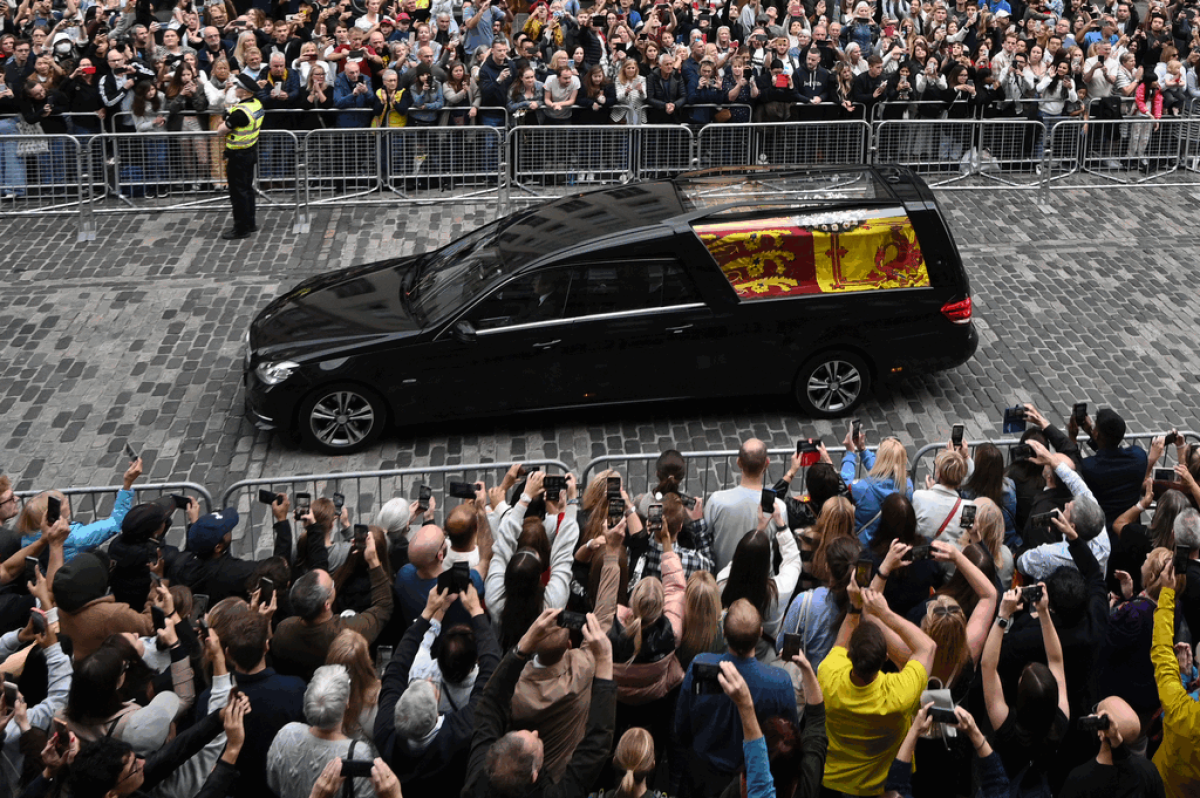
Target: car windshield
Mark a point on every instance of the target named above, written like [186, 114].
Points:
[457, 272]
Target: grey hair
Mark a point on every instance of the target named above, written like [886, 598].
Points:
[308, 595]
[327, 696]
[280, 56]
[394, 516]
[1187, 529]
[386, 73]
[444, 15]
[664, 57]
[417, 710]
[1087, 517]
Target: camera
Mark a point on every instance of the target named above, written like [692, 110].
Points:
[1165, 475]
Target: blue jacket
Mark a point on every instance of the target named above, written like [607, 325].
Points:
[1115, 476]
[711, 94]
[85, 537]
[422, 107]
[357, 106]
[868, 494]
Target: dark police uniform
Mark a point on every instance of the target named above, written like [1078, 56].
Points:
[244, 121]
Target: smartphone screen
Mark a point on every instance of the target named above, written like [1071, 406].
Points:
[303, 502]
[266, 590]
[614, 486]
[1080, 412]
[956, 434]
[862, 572]
[53, 510]
[768, 501]
[654, 515]
[791, 646]
[423, 498]
[967, 518]
[31, 564]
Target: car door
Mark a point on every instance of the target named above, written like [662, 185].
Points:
[641, 328]
[507, 351]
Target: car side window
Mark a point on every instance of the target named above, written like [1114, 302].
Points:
[621, 286]
[534, 298]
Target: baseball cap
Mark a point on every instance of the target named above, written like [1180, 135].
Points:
[211, 529]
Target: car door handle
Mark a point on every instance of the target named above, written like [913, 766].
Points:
[547, 344]
[679, 329]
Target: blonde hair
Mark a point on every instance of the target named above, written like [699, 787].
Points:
[946, 623]
[33, 514]
[596, 491]
[646, 603]
[950, 468]
[891, 462]
[989, 526]
[350, 650]
[835, 521]
[701, 614]
[635, 756]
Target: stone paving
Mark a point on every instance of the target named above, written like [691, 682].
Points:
[136, 337]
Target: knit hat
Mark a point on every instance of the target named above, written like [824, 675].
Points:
[149, 727]
[84, 578]
[209, 530]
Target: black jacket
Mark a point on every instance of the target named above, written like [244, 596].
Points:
[661, 91]
[492, 714]
[226, 575]
[442, 766]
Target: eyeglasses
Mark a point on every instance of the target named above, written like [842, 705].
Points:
[945, 610]
[11, 498]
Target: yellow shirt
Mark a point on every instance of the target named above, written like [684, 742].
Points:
[1178, 758]
[866, 725]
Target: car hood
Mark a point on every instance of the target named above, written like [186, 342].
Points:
[345, 306]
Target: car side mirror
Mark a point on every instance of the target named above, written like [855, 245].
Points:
[464, 331]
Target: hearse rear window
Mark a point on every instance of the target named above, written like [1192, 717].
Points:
[817, 253]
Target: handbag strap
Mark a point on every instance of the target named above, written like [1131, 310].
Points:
[953, 510]
[348, 784]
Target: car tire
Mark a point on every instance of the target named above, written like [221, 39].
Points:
[342, 418]
[832, 384]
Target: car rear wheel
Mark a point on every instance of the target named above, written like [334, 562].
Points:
[832, 384]
[341, 419]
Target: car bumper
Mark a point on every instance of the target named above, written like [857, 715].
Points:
[929, 353]
[261, 406]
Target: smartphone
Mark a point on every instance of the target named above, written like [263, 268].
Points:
[201, 629]
[688, 501]
[1165, 475]
[266, 496]
[455, 579]
[357, 768]
[266, 590]
[10, 693]
[856, 427]
[461, 490]
[768, 501]
[1093, 723]
[53, 510]
[1182, 553]
[791, 646]
[303, 502]
[862, 572]
[199, 605]
[31, 566]
[423, 495]
[921, 553]
[62, 737]
[1171, 439]
[160, 617]
[943, 715]
[383, 658]
[130, 453]
[1042, 520]
[614, 486]
[956, 435]
[1022, 451]
[181, 502]
[38, 617]
[571, 620]
[809, 454]
[155, 578]
[1031, 594]
[554, 486]
[654, 517]
[967, 519]
[616, 510]
[360, 536]
[704, 678]
[339, 501]
[1014, 419]
[781, 81]
[1079, 412]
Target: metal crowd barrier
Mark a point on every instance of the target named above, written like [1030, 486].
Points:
[930, 451]
[93, 503]
[365, 492]
[549, 156]
[1132, 151]
[947, 152]
[706, 471]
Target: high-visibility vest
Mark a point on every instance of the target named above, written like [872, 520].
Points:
[243, 138]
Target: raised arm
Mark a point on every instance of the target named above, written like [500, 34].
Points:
[1054, 652]
[993, 690]
[981, 617]
[922, 646]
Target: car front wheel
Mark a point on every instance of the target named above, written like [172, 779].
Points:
[342, 419]
[832, 384]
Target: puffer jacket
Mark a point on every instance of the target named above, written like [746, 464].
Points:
[656, 671]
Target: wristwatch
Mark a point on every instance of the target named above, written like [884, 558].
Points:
[1003, 623]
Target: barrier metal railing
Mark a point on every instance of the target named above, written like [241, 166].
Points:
[365, 492]
[1129, 152]
[92, 503]
[547, 157]
[947, 152]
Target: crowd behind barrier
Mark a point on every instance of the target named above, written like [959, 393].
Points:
[395, 600]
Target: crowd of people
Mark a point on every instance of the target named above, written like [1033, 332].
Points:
[1006, 629]
[77, 67]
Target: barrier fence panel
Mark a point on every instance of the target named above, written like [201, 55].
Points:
[1134, 151]
[725, 145]
[707, 472]
[662, 150]
[94, 503]
[342, 164]
[365, 492]
[444, 163]
[995, 152]
[41, 173]
[811, 143]
[555, 156]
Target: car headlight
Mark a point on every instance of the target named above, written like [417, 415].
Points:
[275, 373]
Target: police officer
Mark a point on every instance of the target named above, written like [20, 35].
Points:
[242, 122]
